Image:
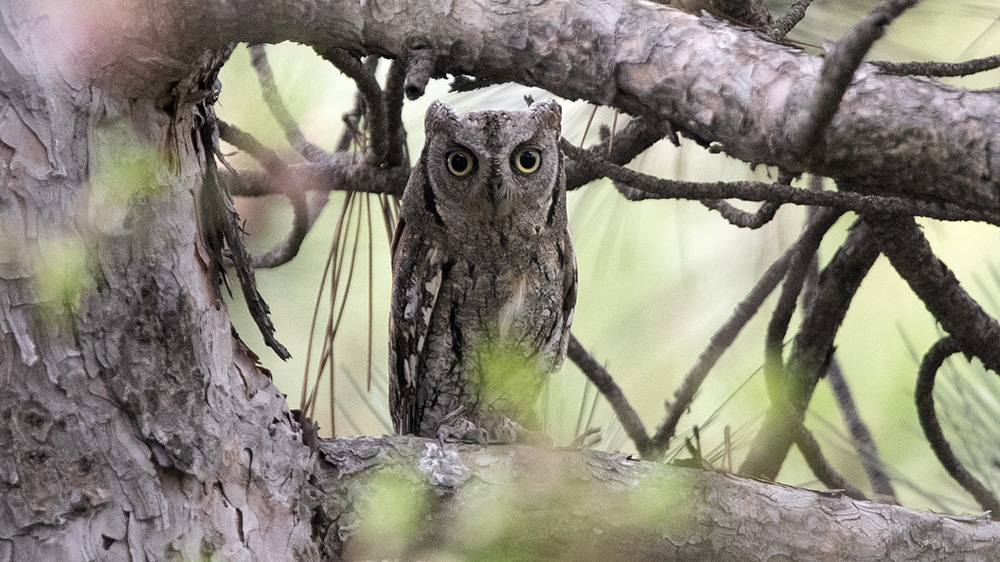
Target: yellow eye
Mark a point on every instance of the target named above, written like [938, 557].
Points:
[460, 162]
[527, 160]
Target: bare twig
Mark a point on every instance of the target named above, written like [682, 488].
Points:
[798, 268]
[964, 68]
[277, 170]
[821, 467]
[862, 438]
[780, 28]
[372, 93]
[638, 135]
[725, 335]
[272, 98]
[658, 188]
[741, 218]
[976, 332]
[932, 430]
[613, 393]
[394, 130]
[838, 69]
[811, 352]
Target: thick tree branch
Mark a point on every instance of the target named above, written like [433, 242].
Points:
[553, 501]
[720, 83]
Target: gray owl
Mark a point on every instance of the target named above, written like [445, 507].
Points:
[484, 275]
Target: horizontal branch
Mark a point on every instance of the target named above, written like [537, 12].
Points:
[340, 172]
[549, 502]
[776, 193]
[719, 83]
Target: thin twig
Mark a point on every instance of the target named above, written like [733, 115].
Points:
[780, 28]
[838, 69]
[811, 352]
[634, 138]
[775, 374]
[371, 92]
[741, 218]
[613, 393]
[659, 188]
[932, 429]
[964, 68]
[309, 151]
[821, 467]
[277, 170]
[862, 438]
[726, 335]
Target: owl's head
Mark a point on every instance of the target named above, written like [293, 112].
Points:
[493, 164]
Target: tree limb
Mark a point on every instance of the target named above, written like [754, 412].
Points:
[588, 505]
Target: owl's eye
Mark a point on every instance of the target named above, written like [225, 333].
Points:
[460, 162]
[527, 160]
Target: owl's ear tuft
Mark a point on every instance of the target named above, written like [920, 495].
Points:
[438, 114]
[549, 112]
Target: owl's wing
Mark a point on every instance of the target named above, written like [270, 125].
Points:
[417, 273]
[568, 258]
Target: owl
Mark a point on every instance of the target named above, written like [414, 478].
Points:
[484, 275]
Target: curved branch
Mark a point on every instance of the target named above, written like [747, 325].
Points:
[932, 430]
[741, 218]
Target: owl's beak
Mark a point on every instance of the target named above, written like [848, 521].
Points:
[493, 184]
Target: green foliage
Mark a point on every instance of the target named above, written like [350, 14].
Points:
[62, 275]
[511, 378]
[122, 167]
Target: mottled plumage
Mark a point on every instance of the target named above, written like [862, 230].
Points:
[484, 276]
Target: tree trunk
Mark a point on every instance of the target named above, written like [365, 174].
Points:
[137, 427]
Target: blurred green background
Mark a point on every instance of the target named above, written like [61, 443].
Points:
[657, 278]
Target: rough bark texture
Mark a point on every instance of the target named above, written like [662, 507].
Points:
[587, 505]
[136, 427]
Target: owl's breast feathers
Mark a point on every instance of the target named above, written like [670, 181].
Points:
[449, 304]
